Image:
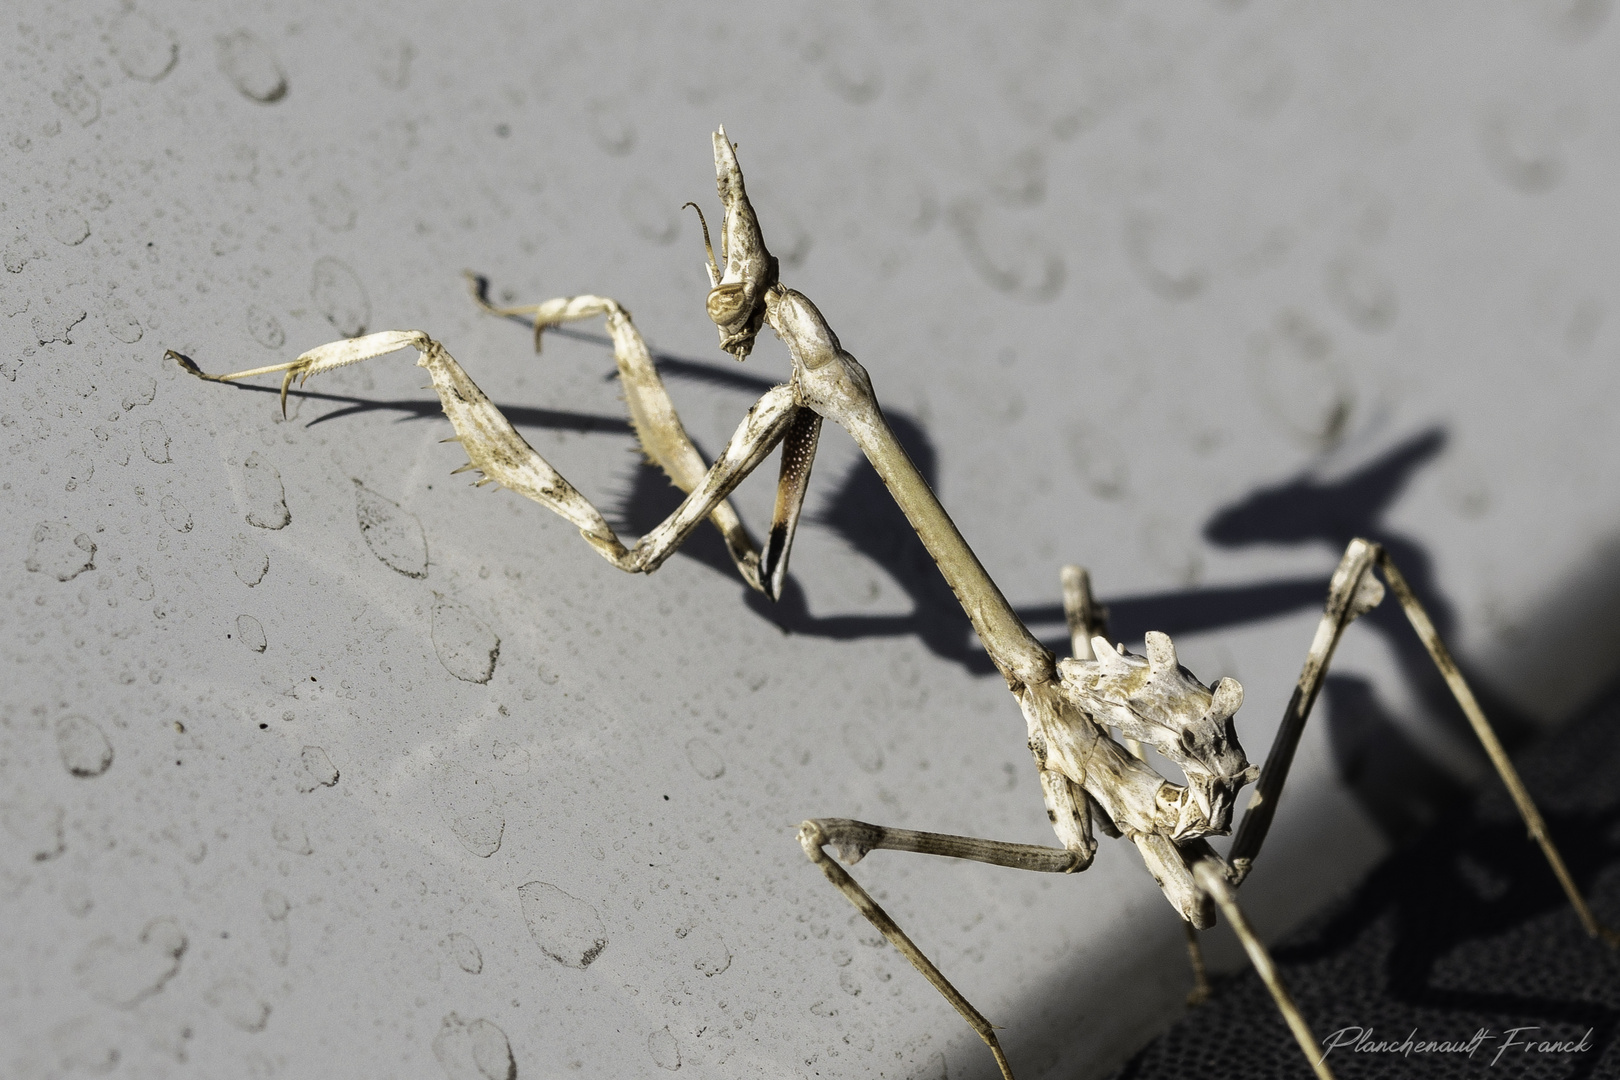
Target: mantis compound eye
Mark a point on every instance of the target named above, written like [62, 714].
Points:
[726, 303]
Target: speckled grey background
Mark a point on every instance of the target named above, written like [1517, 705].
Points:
[1189, 296]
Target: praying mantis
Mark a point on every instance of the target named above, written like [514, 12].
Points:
[1089, 778]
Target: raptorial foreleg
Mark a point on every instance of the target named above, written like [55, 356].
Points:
[495, 449]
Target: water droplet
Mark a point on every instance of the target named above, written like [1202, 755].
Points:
[470, 807]
[82, 1045]
[250, 632]
[248, 560]
[38, 827]
[712, 955]
[276, 905]
[335, 208]
[266, 498]
[155, 442]
[464, 951]
[122, 325]
[1258, 79]
[665, 1053]
[339, 296]
[79, 99]
[145, 49]
[1019, 263]
[145, 390]
[290, 835]
[176, 514]
[393, 534]
[317, 769]
[17, 254]
[1146, 246]
[239, 1004]
[60, 550]
[862, 747]
[1098, 457]
[1300, 382]
[1018, 179]
[1523, 143]
[654, 217]
[611, 129]
[265, 328]
[465, 646]
[393, 64]
[566, 928]
[67, 225]
[705, 761]
[251, 67]
[54, 319]
[85, 750]
[122, 975]
[473, 1050]
[1365, 296]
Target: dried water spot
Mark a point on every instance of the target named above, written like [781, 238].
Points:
[250, 632]
[175, 513]
[60, 550]
[251, 67]
[666, 1054]
[84, 748]
[1019, 263]
[473, 1050]
[291, 836]
[38, 828]
[266, 498]
[79, 99]
[248, 560]
[67, 225]
[339, 296]
[315, 769]
[566, 928]
[705, 761]
[144, 49]
[465, 646]
[470, 807]
[239, 1003]
[265, 328]
[392, 533]
[862, 747]
[155, 442]
[122, 975]
[464, 951]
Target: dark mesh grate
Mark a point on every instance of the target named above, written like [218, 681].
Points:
[1466, 929]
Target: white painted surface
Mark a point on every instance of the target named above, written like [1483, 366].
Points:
[1119, 267]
